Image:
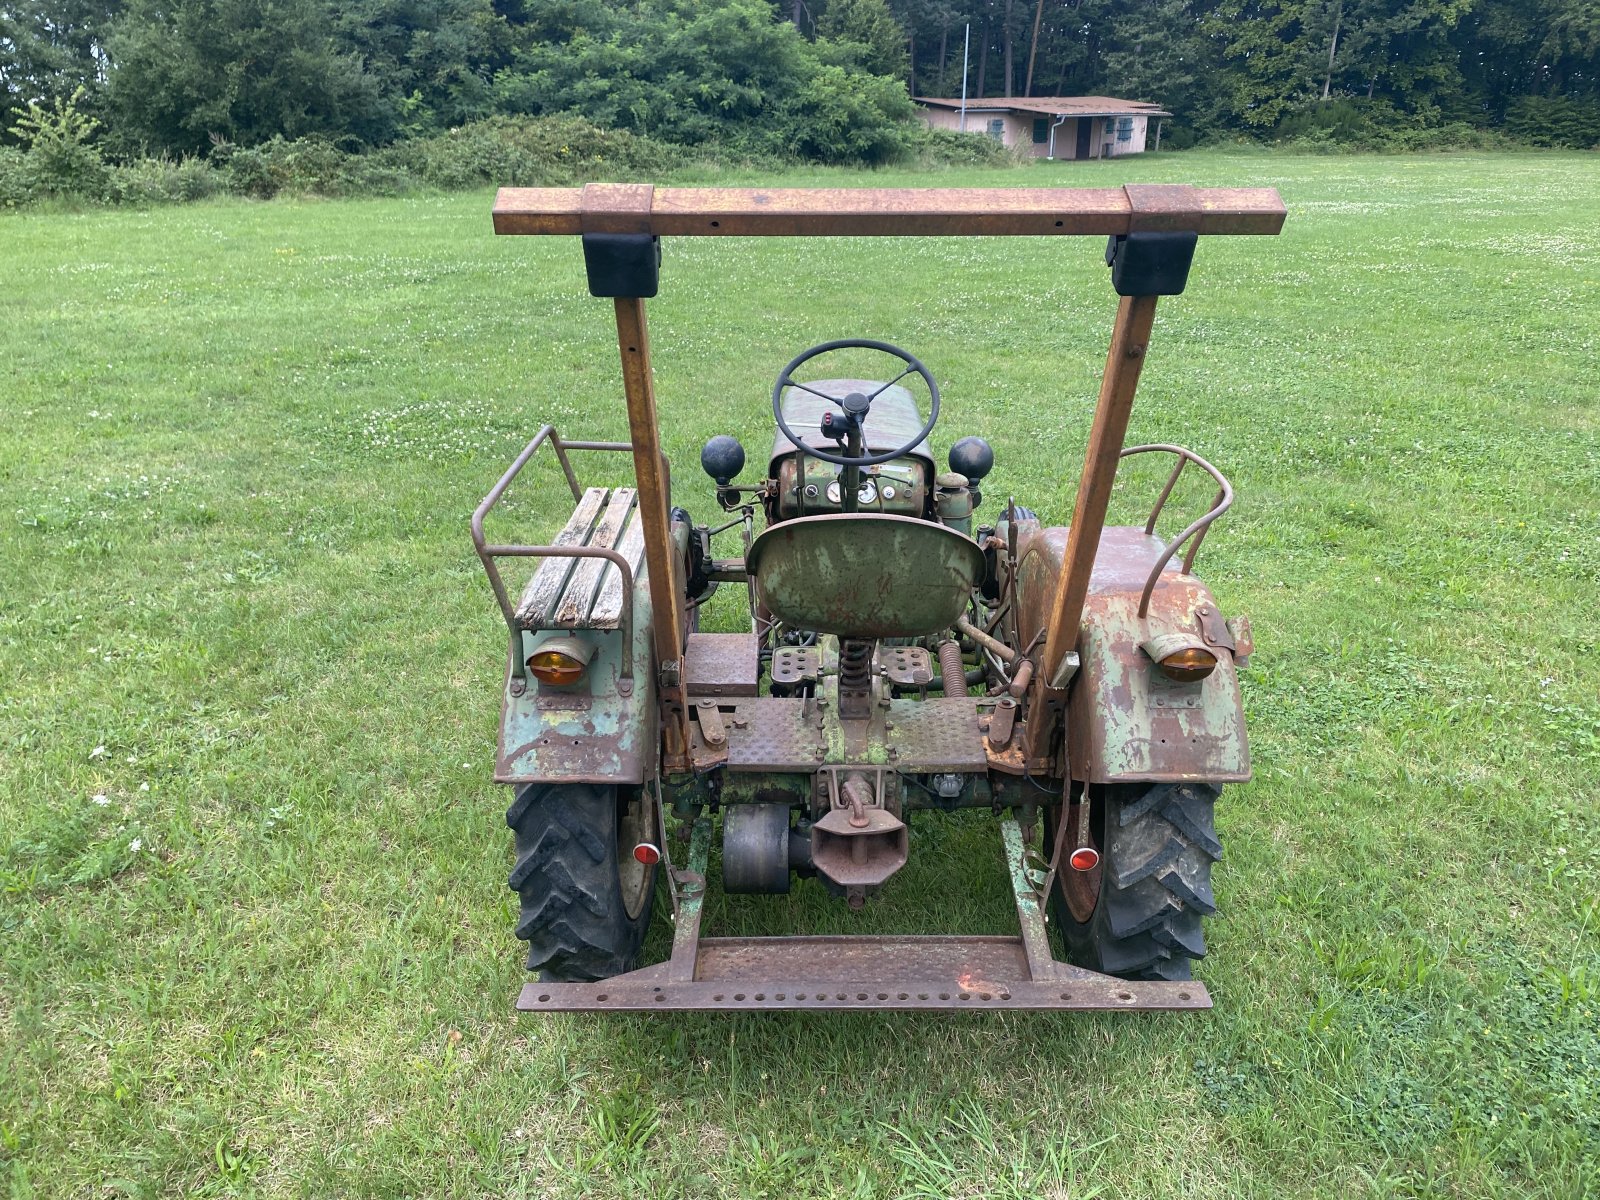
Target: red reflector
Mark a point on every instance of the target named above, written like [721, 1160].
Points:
[646, 853]
[1085, 858]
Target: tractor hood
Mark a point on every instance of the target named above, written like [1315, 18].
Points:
[893, 420]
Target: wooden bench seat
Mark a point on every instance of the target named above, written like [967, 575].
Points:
[586, 593]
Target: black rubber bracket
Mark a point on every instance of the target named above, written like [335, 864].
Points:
[1150, 263]
[622, 264]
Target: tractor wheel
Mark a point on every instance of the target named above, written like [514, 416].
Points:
[1137, 914]
[585, 899]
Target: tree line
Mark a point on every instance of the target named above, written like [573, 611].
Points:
[1263, 68]
[817, 79]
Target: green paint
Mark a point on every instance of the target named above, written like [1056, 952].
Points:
[1141, 724]
[554, 734]
[865, 574]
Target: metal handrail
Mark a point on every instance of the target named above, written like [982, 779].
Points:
[1199, 527]
[487, 554]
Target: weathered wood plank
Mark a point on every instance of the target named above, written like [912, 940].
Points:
[607, 611]
[577, 601]
[545, 588]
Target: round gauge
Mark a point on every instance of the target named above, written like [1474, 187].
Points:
[865, 494]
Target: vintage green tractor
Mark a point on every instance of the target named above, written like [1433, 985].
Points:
[903, 653]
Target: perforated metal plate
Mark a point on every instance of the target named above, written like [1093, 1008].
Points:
[792, 664]
[721, 664]
[937, 734]
[775, 735]
[907, 666]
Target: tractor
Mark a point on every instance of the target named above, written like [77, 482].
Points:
[913, 645]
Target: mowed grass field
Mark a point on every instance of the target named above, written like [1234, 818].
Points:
[255, 937]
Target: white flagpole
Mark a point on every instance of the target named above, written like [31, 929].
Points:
[965, 52]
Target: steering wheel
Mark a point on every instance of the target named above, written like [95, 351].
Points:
[856, 405]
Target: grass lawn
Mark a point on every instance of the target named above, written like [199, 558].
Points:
[255, 937]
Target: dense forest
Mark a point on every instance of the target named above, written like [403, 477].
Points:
[826, 80]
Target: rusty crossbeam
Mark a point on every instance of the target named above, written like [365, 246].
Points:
[874, 973]
[902, 212]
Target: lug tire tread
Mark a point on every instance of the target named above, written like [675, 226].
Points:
[1159, 843]
[566, 876]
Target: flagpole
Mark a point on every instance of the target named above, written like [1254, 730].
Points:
[966, 51]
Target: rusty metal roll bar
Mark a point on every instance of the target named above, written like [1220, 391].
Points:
[1195, 529]
[885, 212]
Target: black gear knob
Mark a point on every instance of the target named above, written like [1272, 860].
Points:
[972, 457]
[722, 458]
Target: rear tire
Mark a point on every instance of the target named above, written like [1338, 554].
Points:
[585, 900]
[1138, 914]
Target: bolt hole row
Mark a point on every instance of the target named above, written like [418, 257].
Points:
[822, 997]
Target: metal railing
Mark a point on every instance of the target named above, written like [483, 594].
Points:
[488, 553]
[1195, 529]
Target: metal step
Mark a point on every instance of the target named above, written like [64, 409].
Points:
[861, 972]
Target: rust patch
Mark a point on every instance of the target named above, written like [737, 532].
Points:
[857, 212]
[1126, 721]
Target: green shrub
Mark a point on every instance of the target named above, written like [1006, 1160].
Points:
[838, 116]
[467, 157]
[1176, 135]
[15, 187]
[302, 166]
[305, 166]
[309, 165]
[1554, 121]
[195, 179]
[950, 148]
[529, 152]
[369, 175]
[163, 181]
[1350, 125]
[1453, 135]
[62, 160]
[1330, 124]
[714, 73]
[248, 172]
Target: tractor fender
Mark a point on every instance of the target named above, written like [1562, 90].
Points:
[595, 731]
[1126, 721]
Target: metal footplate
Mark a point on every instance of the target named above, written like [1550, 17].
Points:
[859, 972]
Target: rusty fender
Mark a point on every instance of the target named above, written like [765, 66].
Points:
[1126, 721]
[597, 731]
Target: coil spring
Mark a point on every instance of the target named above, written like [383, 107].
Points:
[952, 668]
[855, 665]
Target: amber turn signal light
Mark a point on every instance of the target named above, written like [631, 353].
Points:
[552, 666]
[1189, 666]
[560, 661]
